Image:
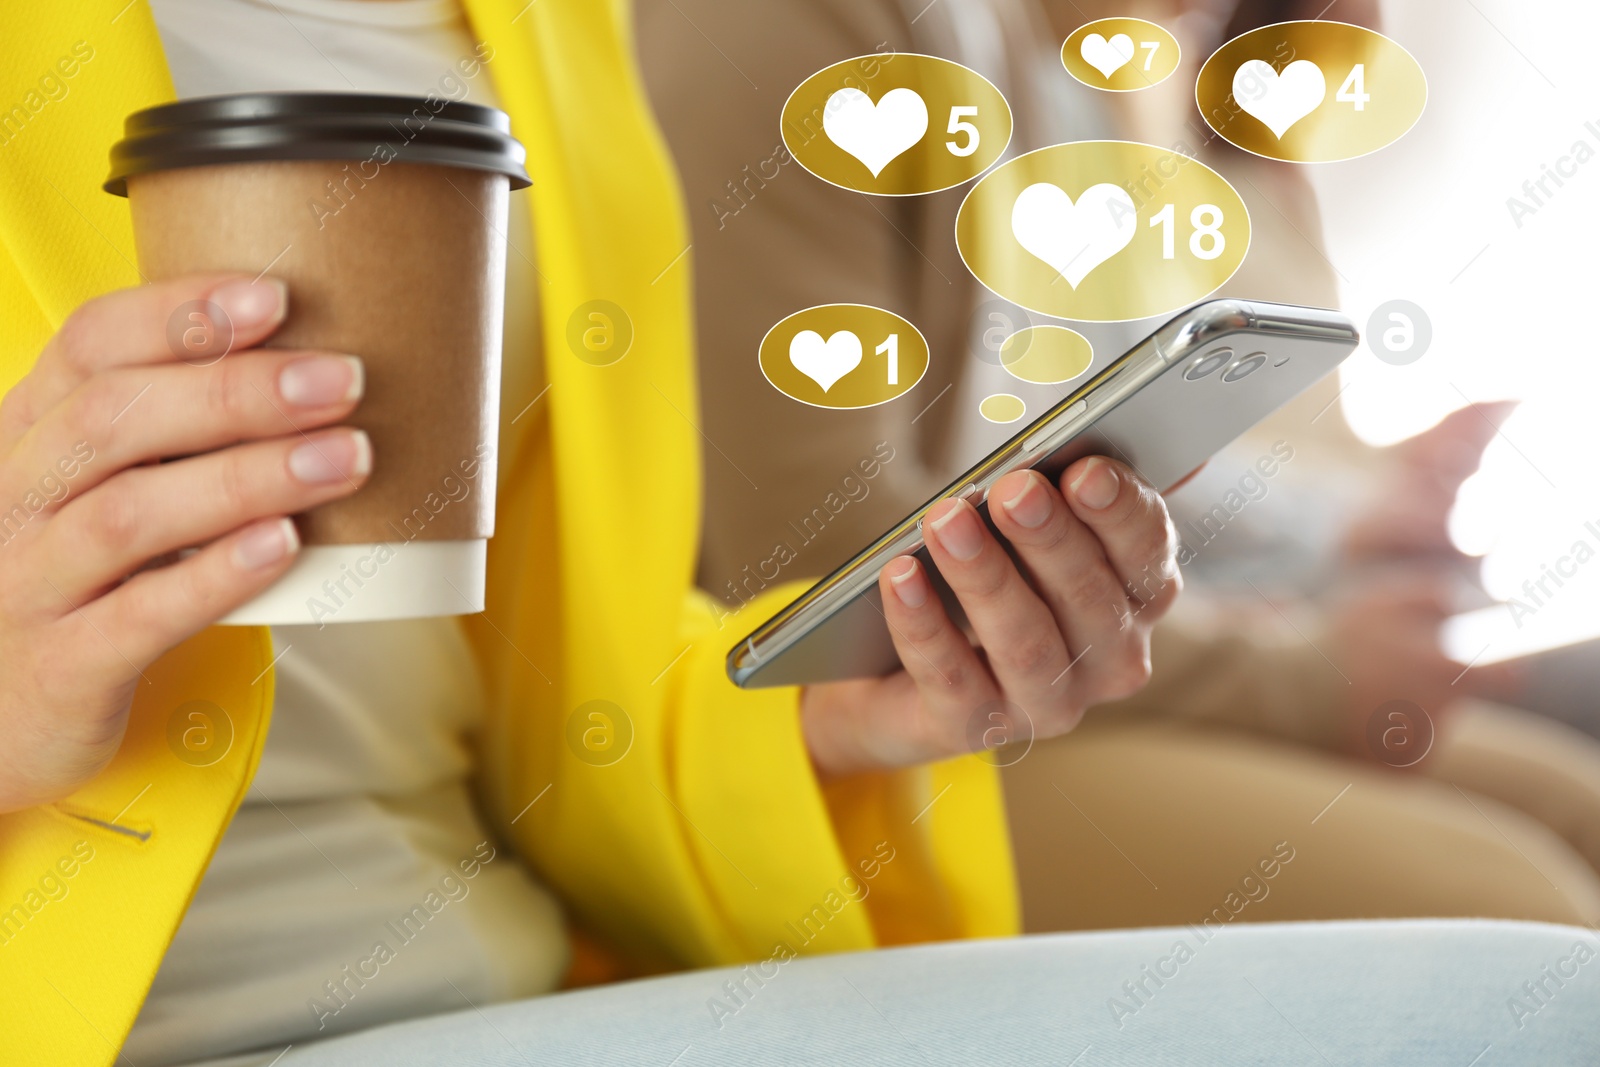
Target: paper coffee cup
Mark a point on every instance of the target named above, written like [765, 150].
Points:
[386, 216]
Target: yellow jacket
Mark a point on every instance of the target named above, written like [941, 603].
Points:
[710, 841]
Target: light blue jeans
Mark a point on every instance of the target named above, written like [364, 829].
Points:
[1454, 993]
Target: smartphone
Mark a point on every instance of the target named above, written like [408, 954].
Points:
[1163, 408]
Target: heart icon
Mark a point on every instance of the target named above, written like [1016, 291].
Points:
[1107, 57]
[875, 135]
[1074, 238]
[1279, 100]
[825, 362]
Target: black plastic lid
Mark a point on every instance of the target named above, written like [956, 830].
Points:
[250, 127]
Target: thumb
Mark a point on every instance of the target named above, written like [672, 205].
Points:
[1452, 449]
[1502, 681]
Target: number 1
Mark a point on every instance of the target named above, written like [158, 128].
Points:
[891, 348]
[1163, 218]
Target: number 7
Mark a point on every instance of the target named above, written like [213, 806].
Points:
[1151, 47]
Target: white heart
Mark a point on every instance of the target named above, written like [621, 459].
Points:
[1279, 100]
[1107, 57]
[825, 362]
[1074, 238]
[875, 135]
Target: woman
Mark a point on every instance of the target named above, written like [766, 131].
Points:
[728, 816]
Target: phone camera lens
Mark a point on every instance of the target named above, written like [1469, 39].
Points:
[1208, 364]
[1245, 367]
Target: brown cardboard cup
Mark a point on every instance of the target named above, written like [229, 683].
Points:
[386, 217]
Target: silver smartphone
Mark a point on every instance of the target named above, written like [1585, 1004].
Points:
[1163, 408]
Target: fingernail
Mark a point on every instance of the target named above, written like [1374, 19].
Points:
[265, 544]
[958, 530]
[908, 584]
[1031, 506]
[332, 458]
[257, 303]
[1096, 485]
[322, 380]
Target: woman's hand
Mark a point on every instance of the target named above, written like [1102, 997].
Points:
[1100, 556]
[1406, 518]
[90, 517]
[1384, 632]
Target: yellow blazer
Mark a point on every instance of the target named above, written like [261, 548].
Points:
[710, 841]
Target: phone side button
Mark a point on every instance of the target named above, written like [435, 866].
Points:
[1065, 419]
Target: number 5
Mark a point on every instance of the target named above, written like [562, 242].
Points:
[958, 126]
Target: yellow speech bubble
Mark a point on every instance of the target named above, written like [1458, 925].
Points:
[844, 356]
[1120, 55]
[1002, 407]
[1103, 231]
[1046, 355]
[1311, 92]
[896, 124]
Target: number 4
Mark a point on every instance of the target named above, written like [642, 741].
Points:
[1354, 89]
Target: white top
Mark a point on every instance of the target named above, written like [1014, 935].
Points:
[359, 831]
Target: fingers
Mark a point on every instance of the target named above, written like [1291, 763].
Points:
[1082, 551]
[1130, 520]
[1097, 557]
[120, 526]
[1432, 596]
[136, 414]
[159, 608]
[1451, 450]
[1086, 596]
[198, 318]
[1021, 637]
[949, 675]
[1504, 681]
